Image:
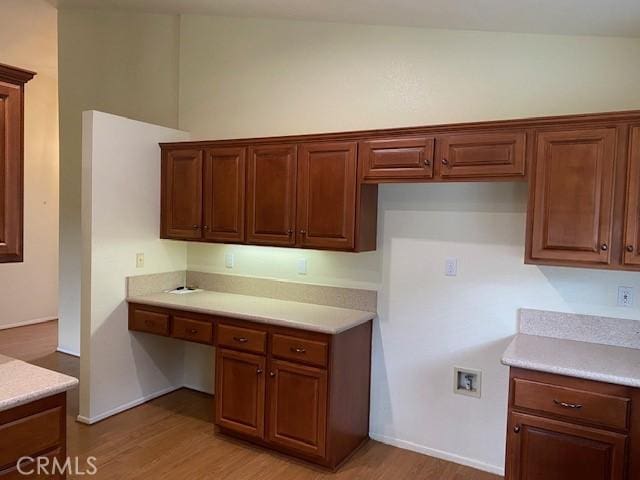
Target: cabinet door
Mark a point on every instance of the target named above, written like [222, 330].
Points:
[480, 155]
[271, 195]
[11, 208]
[240, 392]
[224, 181]
[397, 159]
[572, 196]
[298, 407]
[182, 194]
[543, 449]
[632, 228]
[327, 195]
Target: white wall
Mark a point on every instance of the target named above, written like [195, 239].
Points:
[120, 218]
[249, 77]
[28, 39]
[122, 63]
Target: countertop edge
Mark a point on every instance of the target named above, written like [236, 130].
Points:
[38, 395]
[367, 316]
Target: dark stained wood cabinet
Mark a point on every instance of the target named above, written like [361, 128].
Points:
[182, 194]
[224, 194]
[298, 407]
[12, 83]
[271, 195]
[327, 189]
[572, 197]
[632, 226]
[395, 159]
[563, 428]
[301, 392]
[240, 392]
[479, 155]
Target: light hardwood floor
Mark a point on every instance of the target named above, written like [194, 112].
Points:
[173, 438]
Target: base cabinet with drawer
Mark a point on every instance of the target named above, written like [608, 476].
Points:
[301, 392]
[562, 428]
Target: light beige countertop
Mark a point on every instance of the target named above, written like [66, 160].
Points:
[21, 382]
[306, 316]
[592, 361]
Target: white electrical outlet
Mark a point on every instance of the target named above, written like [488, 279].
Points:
[229, 260]
[625, 296]
[139, 260]
[302, 266]
[451, 267]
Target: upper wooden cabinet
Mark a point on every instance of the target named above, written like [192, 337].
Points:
[572, 197]
[271, 195]
[480, 155]
[182, 194]
[224, 194]
[12, 81]
[397, 158]
[327, 182]
[632, 227]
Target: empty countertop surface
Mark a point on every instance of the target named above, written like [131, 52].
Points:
[306, 316]
[591, 361]
[21, 382]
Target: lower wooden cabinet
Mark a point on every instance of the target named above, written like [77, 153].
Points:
[562, 428]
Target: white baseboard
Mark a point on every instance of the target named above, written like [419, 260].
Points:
[450, 457]
[198, 388]
[26, 323]
[126, 406]
[68, 352]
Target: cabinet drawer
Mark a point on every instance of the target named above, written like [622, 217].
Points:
[30, 435]
[148, 321]
[193, 330]
[299, 349]
[607, 410]
[241, 338]
[483, 155]
[397, 159]
[13, 473]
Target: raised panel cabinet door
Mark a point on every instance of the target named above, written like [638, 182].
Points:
[478, 155]
[632, 227]
[543, 449]
[571, 198]
[327, 185]
[397, 159]
[240, 392]
[224, 194]
[182, 194]
[11, 208]
[271, 195]
[298, 407]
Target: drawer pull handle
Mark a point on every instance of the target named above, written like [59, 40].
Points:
[298, 350]
[241, 339]
[567, 405]
[193, 331]
[148, 323]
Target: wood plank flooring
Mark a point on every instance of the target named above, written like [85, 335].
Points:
[173, 438]
[30, 341]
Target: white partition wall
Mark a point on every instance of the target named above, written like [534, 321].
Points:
[120, 218]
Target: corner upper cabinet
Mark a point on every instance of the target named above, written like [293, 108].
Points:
[271, 195]
[572, 197]
[632, 225]
[327, 189]
[224, 194]
[12, 81]
[181, 191]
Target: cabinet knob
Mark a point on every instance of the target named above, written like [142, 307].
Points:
[303, 232]
[516, 429]
[206, 228]
[427, 162]
[272, 374]
[445, 161]
[604, 247]
[298, 350]
[193, 331]
[289, 232]
[630, 248]
[195, 227]
[259, 371]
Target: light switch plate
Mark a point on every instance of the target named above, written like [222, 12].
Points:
[139, 260]
[302, 266]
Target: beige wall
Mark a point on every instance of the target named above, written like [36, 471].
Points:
[28, 39]
[247, 77]
[125, 64]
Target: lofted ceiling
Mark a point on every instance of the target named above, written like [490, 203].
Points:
[565, 17]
